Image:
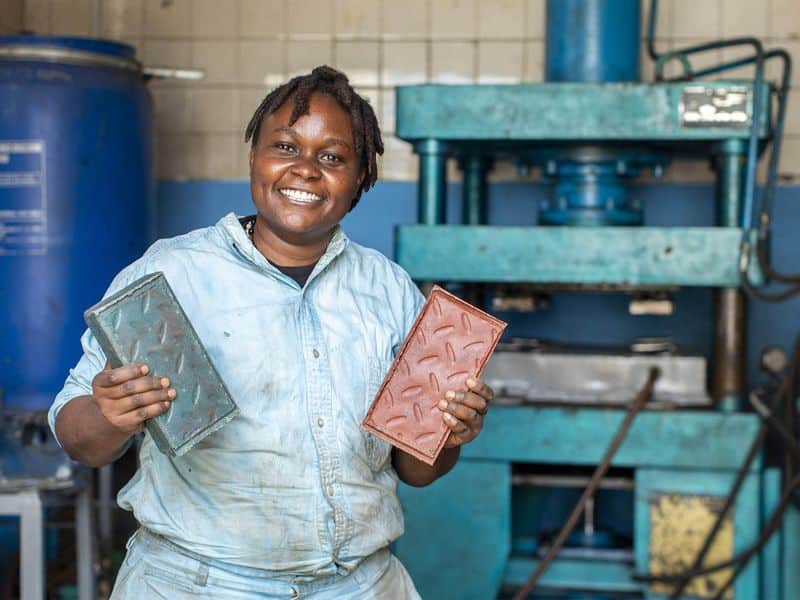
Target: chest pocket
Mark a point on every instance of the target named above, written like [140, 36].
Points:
[378, 452]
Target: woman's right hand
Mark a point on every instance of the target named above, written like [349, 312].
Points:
[127, 396]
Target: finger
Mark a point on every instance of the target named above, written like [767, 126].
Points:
[471, 399]
[133, 420]
[137, 386]
[137, 401]
[456, 426]
[111, 377]
[458, 407]
[480, 388]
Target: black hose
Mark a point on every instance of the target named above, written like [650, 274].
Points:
[637, 405]
[744, 556]
[753, 290]
[741, 475]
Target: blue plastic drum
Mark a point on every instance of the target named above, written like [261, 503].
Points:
[76, 187]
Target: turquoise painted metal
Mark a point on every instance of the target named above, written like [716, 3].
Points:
[693, 256]
[507, 115]
[458, 530]
[592, 40]
[463, 539]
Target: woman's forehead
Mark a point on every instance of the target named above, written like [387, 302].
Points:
[324, 113]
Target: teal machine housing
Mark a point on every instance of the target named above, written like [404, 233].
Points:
[591, 128]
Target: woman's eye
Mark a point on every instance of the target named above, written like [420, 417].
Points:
[328, 157]
[283, 146]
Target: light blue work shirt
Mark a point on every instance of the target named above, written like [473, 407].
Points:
[291, 484]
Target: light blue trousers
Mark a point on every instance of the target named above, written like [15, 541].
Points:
[155, 568]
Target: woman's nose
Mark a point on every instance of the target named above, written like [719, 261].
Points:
[306, 167]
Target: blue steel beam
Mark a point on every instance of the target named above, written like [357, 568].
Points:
[694, 256]
[568, 112]
[570, 573]
[568, 436]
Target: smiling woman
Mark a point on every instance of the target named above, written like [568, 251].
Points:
[287, 500]
[304, 177]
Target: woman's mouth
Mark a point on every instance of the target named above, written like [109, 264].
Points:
[300, 196]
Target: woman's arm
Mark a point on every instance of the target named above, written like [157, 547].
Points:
[463, 413]
[94, 429]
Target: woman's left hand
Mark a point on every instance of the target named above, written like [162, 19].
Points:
[464, 412]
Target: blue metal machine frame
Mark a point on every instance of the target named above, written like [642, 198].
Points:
[600, 121]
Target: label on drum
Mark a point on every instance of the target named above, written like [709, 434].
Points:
[23, 201]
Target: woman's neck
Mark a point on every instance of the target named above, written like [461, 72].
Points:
[287, 252]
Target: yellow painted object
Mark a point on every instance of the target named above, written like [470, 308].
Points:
[679, 524]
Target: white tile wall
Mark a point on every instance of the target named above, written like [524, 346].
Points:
[500, 62]
[310, 17]
[261, 62]
[248, 46]
[11, 16]
[218, 58]
[262, 18]
[696, 18]
[357, 18]
[453, 62]
[501, 19]
[122, 19]
[360, 60]
[168, 19]
[302, 56]
[404, 63]
[215, 18]
[72, 17]
[454, 18]
[405, 19]
[744, 18]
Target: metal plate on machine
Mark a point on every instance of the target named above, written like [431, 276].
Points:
[703, 106]
[679, 524]
[569, 377]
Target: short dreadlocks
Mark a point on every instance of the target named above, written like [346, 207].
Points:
[327, 80]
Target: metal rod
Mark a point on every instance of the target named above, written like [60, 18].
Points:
[729, 339]
[638, 404]
[85, 542]
[432, 182]
[474, 191]
[571, 481]
[105, 507]
[473, 205]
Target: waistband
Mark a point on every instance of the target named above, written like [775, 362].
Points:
[203, 569]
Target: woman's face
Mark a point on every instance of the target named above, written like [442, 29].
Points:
[304, 176]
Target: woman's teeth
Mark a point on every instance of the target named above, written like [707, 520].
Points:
[300, 196]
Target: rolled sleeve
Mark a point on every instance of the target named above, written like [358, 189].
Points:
[79, 381]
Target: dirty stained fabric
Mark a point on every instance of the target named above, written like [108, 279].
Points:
[292, 484]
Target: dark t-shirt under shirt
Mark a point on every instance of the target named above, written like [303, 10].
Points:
[299, 274]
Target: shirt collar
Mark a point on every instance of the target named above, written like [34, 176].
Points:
[234, 233]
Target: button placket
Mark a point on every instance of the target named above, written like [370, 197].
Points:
[321, 406]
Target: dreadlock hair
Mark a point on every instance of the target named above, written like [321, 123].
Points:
[327, 80]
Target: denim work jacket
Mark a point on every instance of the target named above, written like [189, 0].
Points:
[292, 483]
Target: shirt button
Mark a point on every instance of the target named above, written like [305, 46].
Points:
[315, 353]
[321, 422]
[330, 490]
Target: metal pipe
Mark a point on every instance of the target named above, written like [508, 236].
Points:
[730, 384]
[592, 40]
[432, 182]
[474, 191]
